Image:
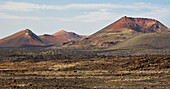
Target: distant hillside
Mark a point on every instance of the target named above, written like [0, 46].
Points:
[24, 38]
[143, 25]
[149, 40]
[71, 35]
[61, 37]
[123, 29]
[118, 32]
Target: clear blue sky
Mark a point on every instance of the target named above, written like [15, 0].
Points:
[81, 16]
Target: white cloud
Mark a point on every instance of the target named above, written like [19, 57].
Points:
[96, 16]
[18, 6]
[102, 12]
[157, 13]
[24, 6]
[152, 11]
[7, 16]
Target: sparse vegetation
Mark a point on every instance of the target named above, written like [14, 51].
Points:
[73, 68]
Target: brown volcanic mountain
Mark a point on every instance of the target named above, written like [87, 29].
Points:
[61, 37]
[129, 24]
[24, 38]
[70, 35]
[120, 31]
[123, 29]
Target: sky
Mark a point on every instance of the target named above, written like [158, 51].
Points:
[83, 17]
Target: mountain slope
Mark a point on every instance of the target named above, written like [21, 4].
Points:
[148, 40]
[144, 25]
[24, 38]
[123, 29]
[60, 37]
[71, 35]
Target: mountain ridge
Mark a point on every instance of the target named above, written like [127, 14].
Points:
[60, 37]
[123, 29]
[21, 38]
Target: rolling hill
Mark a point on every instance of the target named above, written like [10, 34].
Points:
[148, 40]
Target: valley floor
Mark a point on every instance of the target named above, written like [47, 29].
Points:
[142, 72]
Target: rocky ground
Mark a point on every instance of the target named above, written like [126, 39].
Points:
[142, 72]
